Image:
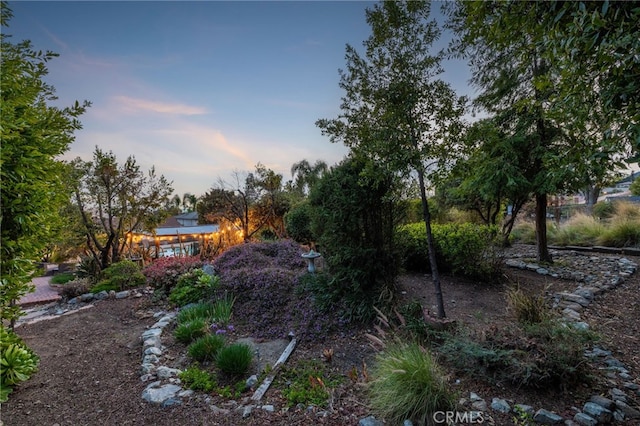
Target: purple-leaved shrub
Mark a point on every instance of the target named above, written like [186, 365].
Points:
[263, 277]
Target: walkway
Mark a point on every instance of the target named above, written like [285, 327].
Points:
[44, 293]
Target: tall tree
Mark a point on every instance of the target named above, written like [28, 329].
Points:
[395, 110]
[494, 174]
[254, 201]
[515, 79]
[114, 200]
[305, 175]
[526, 58]
[33, 133]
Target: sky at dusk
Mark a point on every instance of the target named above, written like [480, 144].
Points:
[201, 89]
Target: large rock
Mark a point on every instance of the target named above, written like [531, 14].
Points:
[158, 395]
[546, 417]
[598, 412]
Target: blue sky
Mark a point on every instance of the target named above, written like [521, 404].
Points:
[201, 89]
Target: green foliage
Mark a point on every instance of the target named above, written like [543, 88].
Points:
[621, 233]
[198, 379]
[621, 228]
[122, 275]
[199, 311]
[635, 187]
[63, 278]
[206, 348]
[306, 383]
[603, 210]
[408, 383]
[234, 359]
[127, 197]
[541, 64]
[75, 288]
[193, 286]
[580, 230]
[465, 249]
[524, 232]
[222, 309]
[354, 216]
[187, 332]
[34, 134]
[298, 223]
[17, 362]
[88, 268]
[543, 355]
[104, 286]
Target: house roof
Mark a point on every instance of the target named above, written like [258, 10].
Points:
[186, 230]
[188, 216]
[170, 222]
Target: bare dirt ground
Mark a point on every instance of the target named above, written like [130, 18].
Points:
[90, 361]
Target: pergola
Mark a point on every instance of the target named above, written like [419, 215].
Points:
[175, 241]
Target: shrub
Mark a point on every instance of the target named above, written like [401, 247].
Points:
[354, 213]
[465, 249]
[234, 359]
[407, 383]
[17, 362]
[206, 348]
[75, 288]
[163, 273]
[63, 278]
[198, 379]
[189, 331]
[542, 355]
[122, 275]
[192, 287]
[88, 268]
[104, 286]
[528, 309]
[297, 223]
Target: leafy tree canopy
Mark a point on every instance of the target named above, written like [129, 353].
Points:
[34, 134]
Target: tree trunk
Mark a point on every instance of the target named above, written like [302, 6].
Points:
[591, 194]
[541, 229]
[432, 251]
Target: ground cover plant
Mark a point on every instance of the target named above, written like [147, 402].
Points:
[307, 382]
[264, 279]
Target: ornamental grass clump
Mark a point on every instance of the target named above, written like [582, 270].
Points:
[528, 309]
[206, 348]
[203, 311]
[408, 383]
[234, 359]
[189, 331]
